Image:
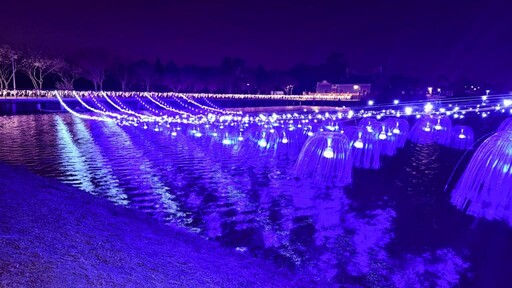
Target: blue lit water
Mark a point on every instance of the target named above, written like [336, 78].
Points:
[393, 227]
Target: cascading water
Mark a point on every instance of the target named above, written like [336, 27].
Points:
[506, 125]
[462, 137]
[485, 187]
[429, 129]
[326, 157]
[365, 146]
[393, 135]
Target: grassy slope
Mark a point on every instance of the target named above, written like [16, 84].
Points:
[53, 235]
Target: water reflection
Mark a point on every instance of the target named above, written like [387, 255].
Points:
[250, 202]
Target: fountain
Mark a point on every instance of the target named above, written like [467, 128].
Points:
[365, 146]
[370, 124]
[506, 125]
[393, 135]
[431, 129]
[462, 137]
[326, 157]
[485, 187]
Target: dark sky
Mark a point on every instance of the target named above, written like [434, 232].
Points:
[416, 38]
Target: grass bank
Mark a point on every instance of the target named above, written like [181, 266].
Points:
[54, 235]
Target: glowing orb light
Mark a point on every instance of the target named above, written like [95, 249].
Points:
[328, 153]
[462, 137]
[428, 107]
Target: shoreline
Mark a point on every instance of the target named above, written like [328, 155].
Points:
[55, 235]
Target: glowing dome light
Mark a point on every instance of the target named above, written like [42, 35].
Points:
[427, 128]
[328, 153]
[396, 101]
[396, 131]
[507, 102]
[262, 143]
[408, 110]
[173, 133]
[198, 134]
[462, 136]
[382, 136]
[227, 141]
[358, 144]
[370, 102]
[240, 138]
[310, 133]
[214, 134]
[285, 140]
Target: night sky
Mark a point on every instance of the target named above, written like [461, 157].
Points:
[416, 38]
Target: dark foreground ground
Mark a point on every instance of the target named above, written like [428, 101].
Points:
[53, 235]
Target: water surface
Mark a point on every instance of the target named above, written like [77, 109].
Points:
[393, 227]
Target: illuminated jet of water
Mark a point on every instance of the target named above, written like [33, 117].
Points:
[462, 137]
[485, 187]
[326, 157]
[365, 146]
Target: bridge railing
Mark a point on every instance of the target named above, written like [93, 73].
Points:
[84, 94]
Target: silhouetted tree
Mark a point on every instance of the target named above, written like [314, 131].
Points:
[94, 64]
[37, 67]
[144, 73]
[8, 66]
[68, 73]
[122, 73]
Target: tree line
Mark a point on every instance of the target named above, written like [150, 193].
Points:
[97, 70]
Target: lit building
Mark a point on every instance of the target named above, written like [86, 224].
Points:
[352, 92]
[435, 93]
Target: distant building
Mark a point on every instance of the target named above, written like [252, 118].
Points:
[353, 92]
[436, 93]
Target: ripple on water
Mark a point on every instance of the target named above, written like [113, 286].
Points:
[252, 203]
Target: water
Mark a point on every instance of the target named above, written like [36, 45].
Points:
[393, 227]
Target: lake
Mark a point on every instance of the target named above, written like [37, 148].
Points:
[392, 227]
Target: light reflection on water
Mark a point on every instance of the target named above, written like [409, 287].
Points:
[247, 202]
